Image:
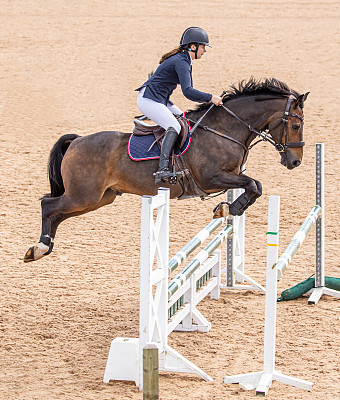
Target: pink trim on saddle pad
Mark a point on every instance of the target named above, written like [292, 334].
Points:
[184, 115]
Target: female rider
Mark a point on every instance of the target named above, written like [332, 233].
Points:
[153, 99]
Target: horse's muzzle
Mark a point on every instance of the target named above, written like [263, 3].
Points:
[290, 160]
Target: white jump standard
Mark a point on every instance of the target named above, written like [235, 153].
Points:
[161, 313]
[262, 380]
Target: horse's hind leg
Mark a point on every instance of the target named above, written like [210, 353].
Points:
[54, 211]
[46, 241]
[108, 197]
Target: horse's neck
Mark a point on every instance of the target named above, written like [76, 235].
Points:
[256, 114]
[253, 114]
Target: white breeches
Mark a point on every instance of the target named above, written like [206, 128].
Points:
[159, 113]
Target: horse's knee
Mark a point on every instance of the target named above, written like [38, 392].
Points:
[253, 189]
[259, 188]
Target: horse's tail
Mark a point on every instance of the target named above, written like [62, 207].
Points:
[54, 164]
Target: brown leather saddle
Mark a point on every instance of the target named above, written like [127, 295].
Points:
[142, 128]
[187, 183]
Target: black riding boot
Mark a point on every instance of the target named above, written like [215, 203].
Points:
[163, 173]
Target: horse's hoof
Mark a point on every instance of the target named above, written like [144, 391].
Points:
[29, 256]
[221, 210]
[36, 252]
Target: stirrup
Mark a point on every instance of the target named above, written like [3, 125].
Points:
[165, 175]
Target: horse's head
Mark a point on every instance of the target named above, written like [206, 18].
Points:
[287, 132]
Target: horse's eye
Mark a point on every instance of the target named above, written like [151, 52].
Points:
[295, 127]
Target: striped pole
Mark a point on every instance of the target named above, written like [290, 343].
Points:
[199, 259]
[297, 240]
[195, 242]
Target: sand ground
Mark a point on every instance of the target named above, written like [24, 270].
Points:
[72, 67]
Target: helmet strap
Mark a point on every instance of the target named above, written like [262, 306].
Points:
[195, 51]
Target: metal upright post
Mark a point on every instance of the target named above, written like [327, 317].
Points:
[235, 248]
[320, 223]
[320, 287]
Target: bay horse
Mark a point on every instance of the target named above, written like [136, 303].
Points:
[88, 172]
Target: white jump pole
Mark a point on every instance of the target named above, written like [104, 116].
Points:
[261, 381]
[320, 287]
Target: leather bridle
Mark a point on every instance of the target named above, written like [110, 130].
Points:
[281, 146]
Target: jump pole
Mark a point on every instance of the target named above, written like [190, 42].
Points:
[235, 277]
[262, 380]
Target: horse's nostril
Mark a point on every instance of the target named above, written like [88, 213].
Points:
[296, 163]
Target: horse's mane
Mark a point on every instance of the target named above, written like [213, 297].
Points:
[267, 86]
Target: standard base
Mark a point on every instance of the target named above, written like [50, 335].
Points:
[262, 381]
[195, 321]
[319, 291]
[124, 362]
[253, 285]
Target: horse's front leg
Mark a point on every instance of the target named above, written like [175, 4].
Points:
[252, 190]
[246, 199]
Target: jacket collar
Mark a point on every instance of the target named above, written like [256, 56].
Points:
[187, 56]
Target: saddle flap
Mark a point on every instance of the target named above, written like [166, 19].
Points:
[182, 137]
[142, 129]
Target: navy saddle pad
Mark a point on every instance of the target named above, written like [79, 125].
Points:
[139, 145]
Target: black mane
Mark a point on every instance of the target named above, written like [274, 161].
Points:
[267, 86]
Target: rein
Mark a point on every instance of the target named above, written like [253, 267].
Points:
[280, 147]
[262, 135]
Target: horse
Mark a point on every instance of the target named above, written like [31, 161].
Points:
[88, 172]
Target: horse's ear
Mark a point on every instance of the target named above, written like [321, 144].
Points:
[301, 99]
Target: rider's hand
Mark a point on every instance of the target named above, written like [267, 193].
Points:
[217, 100]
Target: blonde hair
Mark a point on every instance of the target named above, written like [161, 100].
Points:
[171, 53]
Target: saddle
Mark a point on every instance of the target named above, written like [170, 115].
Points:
[186, 182]
[142, 129]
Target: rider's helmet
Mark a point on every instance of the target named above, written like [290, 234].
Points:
[196, 35]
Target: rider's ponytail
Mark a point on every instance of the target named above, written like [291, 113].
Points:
[170, 53]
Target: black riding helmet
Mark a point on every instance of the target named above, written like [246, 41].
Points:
[195, 35]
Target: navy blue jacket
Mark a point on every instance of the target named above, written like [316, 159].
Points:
[174, 70]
